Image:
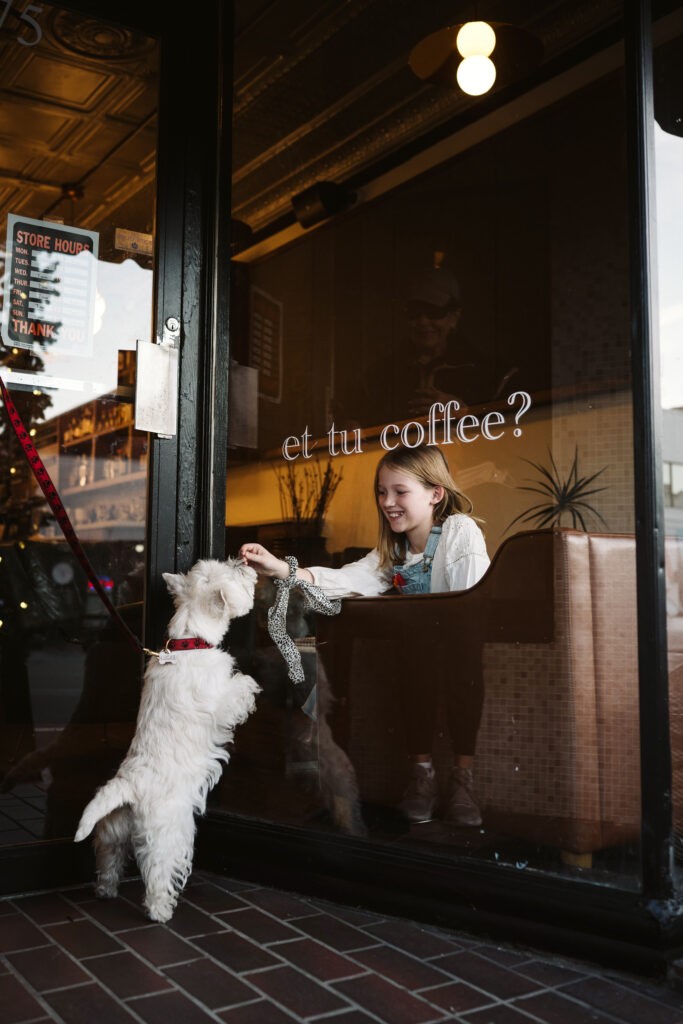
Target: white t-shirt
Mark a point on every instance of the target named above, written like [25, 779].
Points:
[460, 561]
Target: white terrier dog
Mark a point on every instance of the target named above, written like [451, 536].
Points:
[191, 702]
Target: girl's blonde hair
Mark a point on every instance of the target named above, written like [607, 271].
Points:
[429, 466]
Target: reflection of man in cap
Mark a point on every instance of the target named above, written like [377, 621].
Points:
[441, 368]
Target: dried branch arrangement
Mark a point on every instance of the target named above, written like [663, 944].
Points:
[307, 490]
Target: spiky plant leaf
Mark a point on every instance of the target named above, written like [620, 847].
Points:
[560, 496]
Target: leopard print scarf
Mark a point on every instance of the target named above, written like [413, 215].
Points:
[277, 616]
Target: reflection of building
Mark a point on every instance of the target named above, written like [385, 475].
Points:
[672, 470]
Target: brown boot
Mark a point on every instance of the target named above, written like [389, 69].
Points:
[419, 800]
[462, 807]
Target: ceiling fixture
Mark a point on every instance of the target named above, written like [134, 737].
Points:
[476, 55]
[475, 43]
[321, 200]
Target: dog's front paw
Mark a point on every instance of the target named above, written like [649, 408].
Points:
[160, 912]
[107, 890]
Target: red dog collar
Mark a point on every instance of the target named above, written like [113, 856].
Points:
[192, 643]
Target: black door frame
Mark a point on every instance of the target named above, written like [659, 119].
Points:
[655, 745]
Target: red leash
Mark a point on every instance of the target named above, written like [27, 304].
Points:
[50, 491]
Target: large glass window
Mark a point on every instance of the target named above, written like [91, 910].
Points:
[77, 190]
[455, 277]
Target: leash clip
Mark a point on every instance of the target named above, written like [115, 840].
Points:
[164, 656]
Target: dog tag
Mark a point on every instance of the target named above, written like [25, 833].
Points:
[167, 658]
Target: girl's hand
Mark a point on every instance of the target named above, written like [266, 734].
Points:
[265, 564]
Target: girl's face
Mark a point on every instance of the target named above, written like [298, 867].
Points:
[404, 500]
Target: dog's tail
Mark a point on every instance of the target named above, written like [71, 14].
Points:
[113, 794]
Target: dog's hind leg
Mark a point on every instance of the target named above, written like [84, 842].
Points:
[112, 848]
[165, 860]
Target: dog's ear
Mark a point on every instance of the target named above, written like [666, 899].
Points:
[174, 583]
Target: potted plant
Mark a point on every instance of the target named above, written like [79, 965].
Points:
[562, 498]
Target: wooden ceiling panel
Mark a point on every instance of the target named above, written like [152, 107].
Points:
[88, 140]
[77, 117]
[26, 120]
[61, 82]
[134, 99]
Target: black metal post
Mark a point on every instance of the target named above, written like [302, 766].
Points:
[655, 746]
[181, 470]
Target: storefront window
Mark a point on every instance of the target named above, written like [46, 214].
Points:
[668, 136]
[77, 191]
[472, 299]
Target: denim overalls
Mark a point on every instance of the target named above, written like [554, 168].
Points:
[417, 578]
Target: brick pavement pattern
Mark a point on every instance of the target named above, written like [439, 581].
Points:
[240, 953]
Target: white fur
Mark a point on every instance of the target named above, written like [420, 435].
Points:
[188, 713]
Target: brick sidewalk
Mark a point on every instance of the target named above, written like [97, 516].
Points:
[245, 954]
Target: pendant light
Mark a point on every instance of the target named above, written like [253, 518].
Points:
[475, 43]
[474, 56]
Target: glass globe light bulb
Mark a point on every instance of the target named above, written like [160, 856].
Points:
[475, 39]
[476, 75]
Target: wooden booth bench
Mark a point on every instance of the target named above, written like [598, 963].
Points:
[558, 749]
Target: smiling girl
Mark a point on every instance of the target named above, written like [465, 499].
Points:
[428, 543]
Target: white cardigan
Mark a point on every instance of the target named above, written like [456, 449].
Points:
[460, 561]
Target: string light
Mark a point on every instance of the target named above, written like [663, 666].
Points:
[23, 605]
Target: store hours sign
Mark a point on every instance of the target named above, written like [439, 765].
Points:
[50, 286]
